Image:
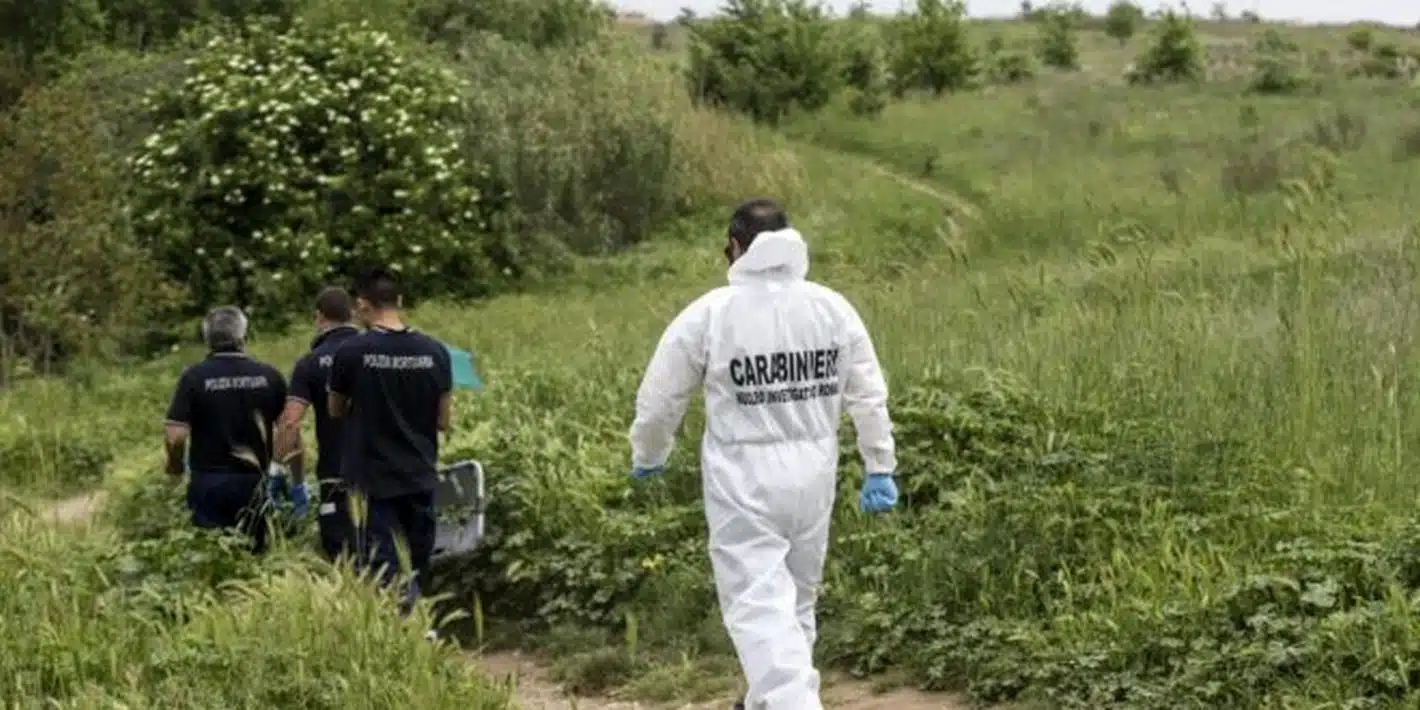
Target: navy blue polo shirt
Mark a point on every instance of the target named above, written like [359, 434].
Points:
[308, 380]
[229, 403]
[393, 381]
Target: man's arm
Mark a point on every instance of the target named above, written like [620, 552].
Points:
[342, 376]
[336, 404]
[177, 425]
[675, 370]
[446, 390]
[290, 452]
[175, 443]
[865, 397]
[446, 411]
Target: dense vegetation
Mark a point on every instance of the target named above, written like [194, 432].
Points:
[1145, 288]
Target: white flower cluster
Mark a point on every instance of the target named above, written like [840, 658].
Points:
[283, 155]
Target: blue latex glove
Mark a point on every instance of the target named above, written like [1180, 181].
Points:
[879, 493]
[300, 500]
[642, 474]
[276, 487]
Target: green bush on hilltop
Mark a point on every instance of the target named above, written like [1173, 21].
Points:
[1176, 53]
[1122, 20]
[930, 49]
[1058, 45]
[766, 58]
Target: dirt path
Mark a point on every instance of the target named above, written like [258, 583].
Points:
[535, 690]
[960, 205]
[76, 509]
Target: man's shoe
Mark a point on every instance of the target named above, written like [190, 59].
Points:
[740, 705]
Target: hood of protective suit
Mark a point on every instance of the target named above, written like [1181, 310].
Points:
[773, 256]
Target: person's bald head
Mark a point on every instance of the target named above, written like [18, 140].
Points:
[752, 218]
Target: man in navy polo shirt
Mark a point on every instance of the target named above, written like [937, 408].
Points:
[392, 385]
[225, 406]
[333, 321]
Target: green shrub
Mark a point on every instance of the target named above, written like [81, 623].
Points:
[1123, 20]
[1278, 67]
[1361, 39]
[148, 24]
[540, 23]
[766, 58]
[931, 50]
[1006, 66]
[285, 159]
[1386, 61]
[865, 67]
[1407, 144]
[43, 35]
[599, 146]
[450, 24]
[1058, 47]
[73, 281]
[1175, 55]
[40, 34]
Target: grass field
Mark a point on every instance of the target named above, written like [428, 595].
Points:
[1154, 367]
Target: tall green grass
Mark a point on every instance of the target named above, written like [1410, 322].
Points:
[86, 624]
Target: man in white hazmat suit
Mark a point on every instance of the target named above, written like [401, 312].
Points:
[779, 358]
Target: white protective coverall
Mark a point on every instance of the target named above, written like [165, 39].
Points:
[779, 358]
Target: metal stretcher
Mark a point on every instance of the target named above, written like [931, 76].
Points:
[460, 487]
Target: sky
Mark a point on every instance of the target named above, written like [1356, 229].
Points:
[1399, 12]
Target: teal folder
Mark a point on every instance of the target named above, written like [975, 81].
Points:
[465, 373]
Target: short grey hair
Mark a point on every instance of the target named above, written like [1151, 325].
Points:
[225, 327]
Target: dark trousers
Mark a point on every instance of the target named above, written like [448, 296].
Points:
[337, 528]
[409, 519]
[229, 501]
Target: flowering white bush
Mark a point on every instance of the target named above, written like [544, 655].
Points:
[286, 159]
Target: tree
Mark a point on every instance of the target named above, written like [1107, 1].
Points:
[73, 281]
[1057, 41]
[865, 63]
[931, 48]
[1175, 55]
[1361, 39]
[766, 58]
[1278, 65]
[1123, 20]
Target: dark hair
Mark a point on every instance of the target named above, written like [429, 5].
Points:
[377, 286]
[333, 303]
[755, 216]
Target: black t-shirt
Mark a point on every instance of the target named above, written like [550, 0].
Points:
[308, 380]
[229, 403]
[393, 380]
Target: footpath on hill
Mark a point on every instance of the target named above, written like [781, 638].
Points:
[534, 688]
